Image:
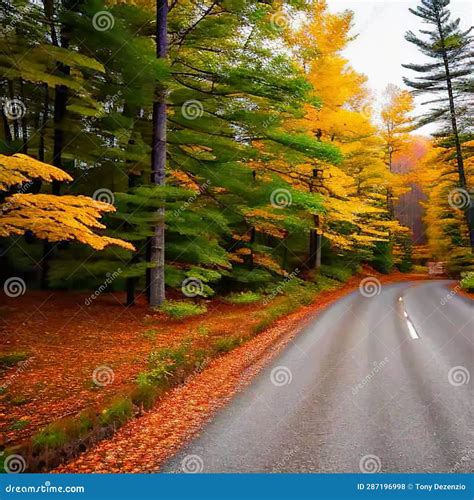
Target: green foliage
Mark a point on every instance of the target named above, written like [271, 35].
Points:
[52, 436]
[19, 425]
[383, 259]
[150, 334]
[181, 309]
[467, 281]
[336, 272]
[226, 344]
[118, 412]
[243, 298]
[12, 358]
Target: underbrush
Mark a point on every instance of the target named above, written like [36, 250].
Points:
[338, 273]
[467, 281]
[12, 358]
[179, 309]
[243, 298]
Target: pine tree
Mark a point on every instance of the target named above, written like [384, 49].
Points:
[450, 49]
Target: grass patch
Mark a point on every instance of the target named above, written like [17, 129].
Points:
[227, 344]
[150, 334]
[118, 412]
[179, 309]
[52, 436]
[337, 273]
[19, 425]
[243, 298]
[467, 281]
[18, 400]
[12, 358]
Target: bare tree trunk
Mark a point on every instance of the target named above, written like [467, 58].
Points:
[158, 162]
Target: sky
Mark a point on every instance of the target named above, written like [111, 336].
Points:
[380, 48]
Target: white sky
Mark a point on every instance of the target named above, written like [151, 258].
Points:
[381, 49]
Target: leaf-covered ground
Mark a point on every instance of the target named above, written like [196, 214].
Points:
[65, 341]
[145, 443]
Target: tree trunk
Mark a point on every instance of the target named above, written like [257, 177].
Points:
[42, 125]
[60, 103]
[11, 90]
[158, 162]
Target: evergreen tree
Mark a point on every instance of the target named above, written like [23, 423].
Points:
[445, 77]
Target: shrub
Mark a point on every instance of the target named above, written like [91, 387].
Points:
[243, 298]
[12, 358]
[119, 412]
[19, 425]
[338, 273]
[467, 281]
[52, 436]
[181, 309]
[226, 344]
[150, 334]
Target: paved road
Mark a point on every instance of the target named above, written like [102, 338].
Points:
[360, 389]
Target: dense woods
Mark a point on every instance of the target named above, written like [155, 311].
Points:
[236, 129]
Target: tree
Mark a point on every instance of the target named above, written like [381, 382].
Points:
[445, 77]
[158, 162]
[396, 122]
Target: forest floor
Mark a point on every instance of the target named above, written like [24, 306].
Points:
[63, 342]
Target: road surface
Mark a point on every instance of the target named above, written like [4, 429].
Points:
[380, 381]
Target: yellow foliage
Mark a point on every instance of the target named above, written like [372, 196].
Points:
[49, 217]
[20, 168]
[57, 218]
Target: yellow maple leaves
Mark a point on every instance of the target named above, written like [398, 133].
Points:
[49, 217]
[20, 168]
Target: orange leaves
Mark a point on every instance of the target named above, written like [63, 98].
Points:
[21, 168]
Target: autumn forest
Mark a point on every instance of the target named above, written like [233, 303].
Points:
[182, 180]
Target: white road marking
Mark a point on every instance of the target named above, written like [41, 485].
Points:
[411, 328]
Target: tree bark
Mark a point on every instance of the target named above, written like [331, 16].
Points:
[158, 162]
